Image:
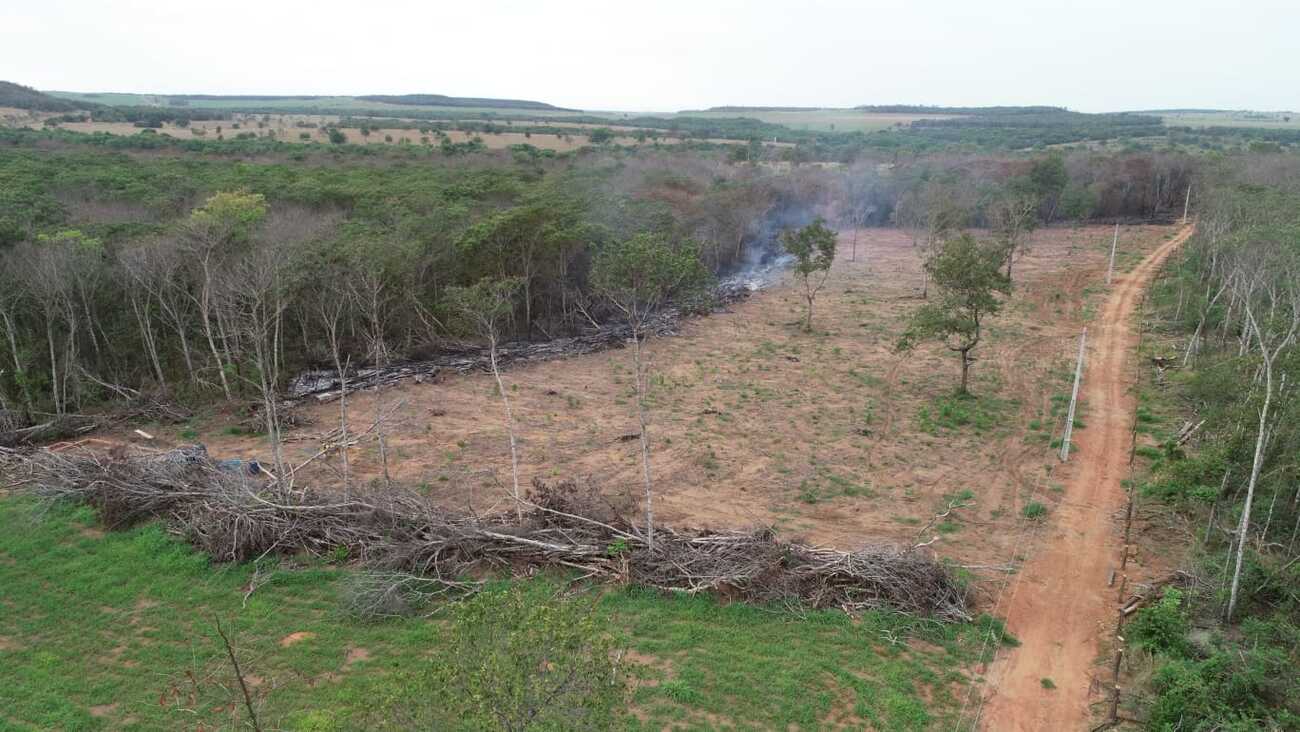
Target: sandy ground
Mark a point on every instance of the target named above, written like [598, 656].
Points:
[831, 437]
[1059, 606]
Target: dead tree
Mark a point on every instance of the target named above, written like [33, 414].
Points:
[1270, 299]
[484, 307]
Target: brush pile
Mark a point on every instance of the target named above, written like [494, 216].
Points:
[234, 516]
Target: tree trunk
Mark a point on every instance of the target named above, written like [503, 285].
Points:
[965, 370]
[54, 365]
[1255, 466]
[510, 426]
[645, 440]
[19, 373]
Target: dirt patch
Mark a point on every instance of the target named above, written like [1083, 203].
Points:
[355, 655]
[297, 637]
[8, 644]
[90, 532]
[103, 710]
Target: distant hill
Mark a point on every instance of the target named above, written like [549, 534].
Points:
[25, 97]
[439, 100]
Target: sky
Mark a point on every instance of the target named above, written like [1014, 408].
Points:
[669, 55]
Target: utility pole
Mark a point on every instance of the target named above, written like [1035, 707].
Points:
[1111, 267]
[1187, 201]
[1074, 398]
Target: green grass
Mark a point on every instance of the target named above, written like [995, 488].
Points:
[1034, 510]
[90, 620]
[955, 412]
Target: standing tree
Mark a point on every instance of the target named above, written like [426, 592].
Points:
[637, 276]
[484, 307]
[932, 212]
[225, 222]
[1012, 218]
[968, 275]
[813, 248]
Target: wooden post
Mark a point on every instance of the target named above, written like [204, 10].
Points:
[1113, 242]
[1074, 398]
[1187, 202]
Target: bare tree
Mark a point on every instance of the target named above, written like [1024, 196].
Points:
[637, 276]
[1013, 217]
[484, 307]
[331, 310]
[1269, 293]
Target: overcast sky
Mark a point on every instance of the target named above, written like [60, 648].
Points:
[668, 55]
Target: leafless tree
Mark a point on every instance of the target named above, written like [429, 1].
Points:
[1268, 288]
[484, 307]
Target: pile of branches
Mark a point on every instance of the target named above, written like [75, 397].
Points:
[419, 548]
[324, 384]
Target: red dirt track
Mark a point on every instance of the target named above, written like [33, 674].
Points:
[1060, 607]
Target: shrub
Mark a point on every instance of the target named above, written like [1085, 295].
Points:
[517, 660]
[1162, 627]
[1034, 510]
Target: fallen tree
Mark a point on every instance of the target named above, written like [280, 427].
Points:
[419, 549]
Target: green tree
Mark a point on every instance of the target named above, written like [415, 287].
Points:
[637, 276]
[484, 308]
[968, 276]
[337, 136]
[813, 249]
[601, 135]
[1047, 179]
[224, 222]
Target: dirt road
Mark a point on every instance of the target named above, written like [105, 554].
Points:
[1060, 607]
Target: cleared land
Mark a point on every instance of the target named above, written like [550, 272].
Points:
[831, 437]
[285, 128]
[1268, 120]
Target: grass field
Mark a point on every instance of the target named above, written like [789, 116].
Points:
[826, 120]
[116, 631]
[1267, 120]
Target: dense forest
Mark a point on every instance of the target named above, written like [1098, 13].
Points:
[1224, 643]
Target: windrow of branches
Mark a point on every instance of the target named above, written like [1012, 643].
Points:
[414, 551]
[202, 277]
[1232, 297]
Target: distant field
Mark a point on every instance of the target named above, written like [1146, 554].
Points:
[285, 129]
[825, 120]
[1265, 120]
[333, 104]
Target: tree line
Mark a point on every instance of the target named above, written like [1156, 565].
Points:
[1231, 300]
